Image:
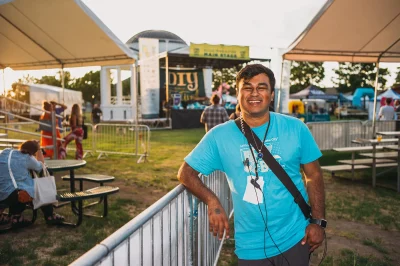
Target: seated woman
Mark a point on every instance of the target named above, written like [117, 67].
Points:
[21, 163]
[46, 138]
[75, 122]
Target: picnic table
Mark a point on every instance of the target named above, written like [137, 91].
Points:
[67, 165]
[393, 147]
[352, 164]
[78, 196]
[375, 156]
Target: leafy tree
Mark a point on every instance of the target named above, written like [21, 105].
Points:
[19, 92]
[56, 80]
[89, 85]
[351, 76]
[303, 74]
[397, 79]
[225, 75]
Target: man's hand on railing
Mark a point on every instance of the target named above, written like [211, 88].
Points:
[218, 220]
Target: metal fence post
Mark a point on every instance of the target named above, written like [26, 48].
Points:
[54, 134]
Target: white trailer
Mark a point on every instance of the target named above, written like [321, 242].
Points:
[40, 92]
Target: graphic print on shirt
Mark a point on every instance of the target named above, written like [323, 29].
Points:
[254, 195]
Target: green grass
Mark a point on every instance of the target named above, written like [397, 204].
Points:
[43, 245]
[346, 200]
[376, 244]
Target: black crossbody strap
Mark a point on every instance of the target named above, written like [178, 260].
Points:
[276, 169]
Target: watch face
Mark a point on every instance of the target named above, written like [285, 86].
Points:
[324, 223]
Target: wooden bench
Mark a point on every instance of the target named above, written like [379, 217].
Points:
[347, 167]
[380, 154]
[344, 167]
[356, 149]
[365, 161]
[97, 192]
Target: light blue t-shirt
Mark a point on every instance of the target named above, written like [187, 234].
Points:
[225, 148]
[20, 166]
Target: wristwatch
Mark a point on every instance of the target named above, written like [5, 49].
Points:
[321, 222]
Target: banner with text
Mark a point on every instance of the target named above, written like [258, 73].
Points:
[149, 77]
[188, 83]
[219, 51]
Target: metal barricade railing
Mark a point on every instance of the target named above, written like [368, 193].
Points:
[122, 139]
[173, 231]
[31, 125]
[337, 134]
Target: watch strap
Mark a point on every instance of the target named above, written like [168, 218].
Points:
[321, 222]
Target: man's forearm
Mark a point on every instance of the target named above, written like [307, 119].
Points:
[190, 179]
[315, 188]
[316, 195]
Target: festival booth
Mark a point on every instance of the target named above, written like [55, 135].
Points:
[390, 93]
[310, 96]
[313, 92]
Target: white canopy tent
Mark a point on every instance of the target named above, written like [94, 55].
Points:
[351, 31]
[44, 34]
[390, 93]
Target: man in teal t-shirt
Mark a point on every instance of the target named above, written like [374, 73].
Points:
[270, 228]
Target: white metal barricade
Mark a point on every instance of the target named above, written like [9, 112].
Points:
[121, 139]
[173, 231]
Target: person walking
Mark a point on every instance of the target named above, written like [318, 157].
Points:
[214, 115]
[270, 228]
[75, 122]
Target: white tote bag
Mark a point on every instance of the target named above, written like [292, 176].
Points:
[45, 189]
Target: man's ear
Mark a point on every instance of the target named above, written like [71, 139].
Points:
[273, 96]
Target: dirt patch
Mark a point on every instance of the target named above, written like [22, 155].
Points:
[352, 235]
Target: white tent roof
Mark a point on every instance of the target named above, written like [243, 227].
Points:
[389, 94]
[351, 31]
[55, 34]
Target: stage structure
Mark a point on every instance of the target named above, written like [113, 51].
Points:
[169, 71]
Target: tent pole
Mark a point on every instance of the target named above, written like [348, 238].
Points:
[62, 82]
[375, 95]
[278, 104]
[4, 83]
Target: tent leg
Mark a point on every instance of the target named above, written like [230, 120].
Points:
[278, 104]
[62, 83]
[375, 95]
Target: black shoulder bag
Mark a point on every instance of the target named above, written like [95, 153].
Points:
[276, 169]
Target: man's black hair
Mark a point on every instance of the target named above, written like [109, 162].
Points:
[252, 70]
[388, 101]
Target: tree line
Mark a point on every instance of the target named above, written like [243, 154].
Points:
[349, 77]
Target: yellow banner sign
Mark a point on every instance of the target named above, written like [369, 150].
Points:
[219, 51]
